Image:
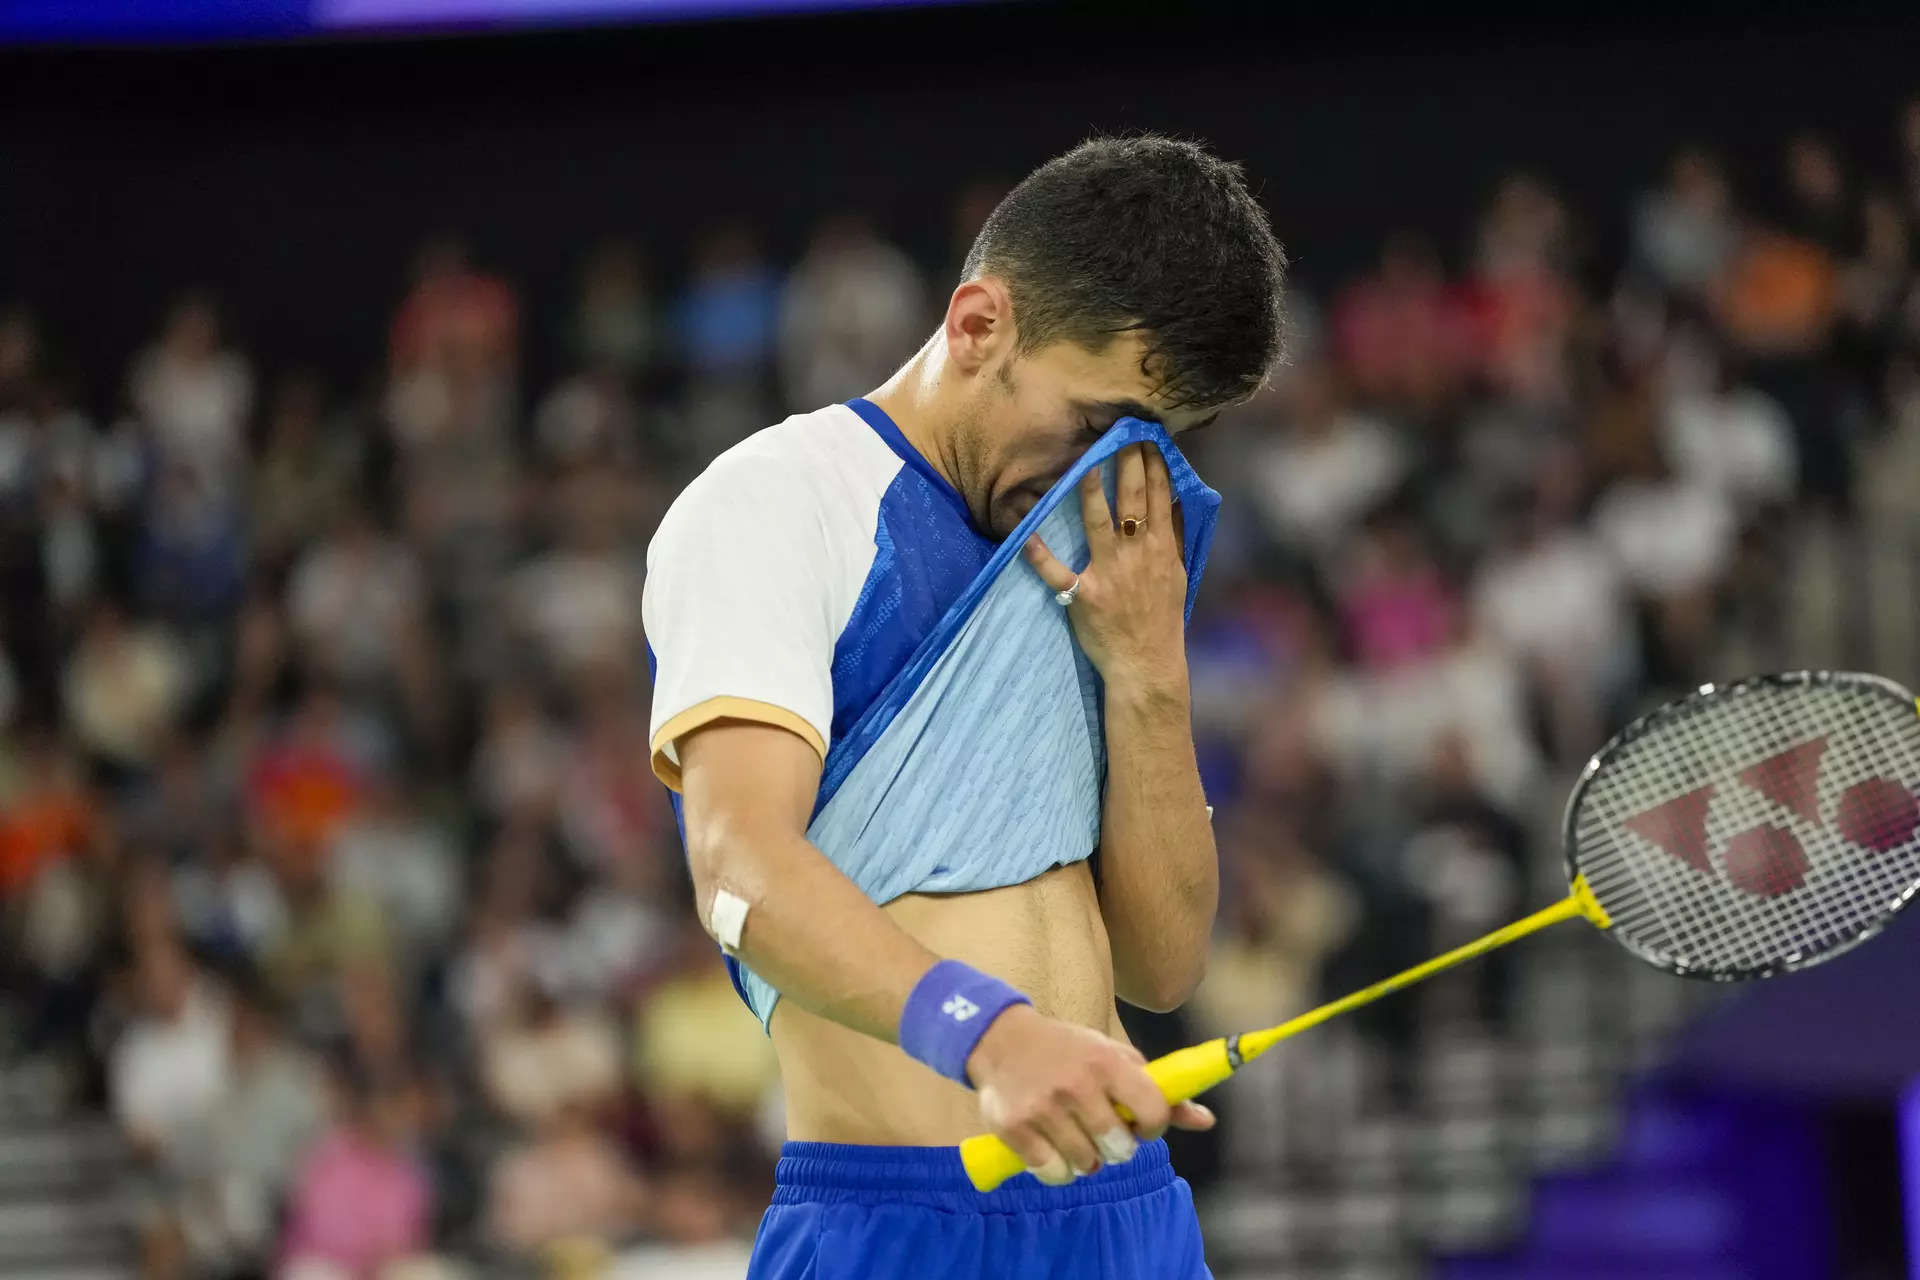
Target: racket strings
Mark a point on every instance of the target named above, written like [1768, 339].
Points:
[1757, 828]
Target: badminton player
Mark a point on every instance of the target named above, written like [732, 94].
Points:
[795, 577]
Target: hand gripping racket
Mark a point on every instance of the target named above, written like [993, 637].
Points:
[1742, 831]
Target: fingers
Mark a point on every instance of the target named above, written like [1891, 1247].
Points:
[1046, 1163]
[1117, 1145]
[1159, 505]
[1070, 1125]
[1047, 565]
[1094, 512]
[1135, 1090]
[1094, 1110]
[1191, 1115]
[1130, 481]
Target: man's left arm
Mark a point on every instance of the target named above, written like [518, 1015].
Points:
[1159, 879]
[1159, 876]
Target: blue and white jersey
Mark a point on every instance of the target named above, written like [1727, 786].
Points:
[822, 577]
[797, 575]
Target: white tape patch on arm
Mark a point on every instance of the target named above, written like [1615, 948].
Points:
[727, 921]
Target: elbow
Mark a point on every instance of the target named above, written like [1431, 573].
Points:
[706, 862]
[712, 864]
[1168, 985]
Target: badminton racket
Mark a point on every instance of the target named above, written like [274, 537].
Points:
[1741, 831]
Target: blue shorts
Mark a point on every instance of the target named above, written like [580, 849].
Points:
[893, 1213]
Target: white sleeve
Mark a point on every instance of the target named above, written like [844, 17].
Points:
[739, 608]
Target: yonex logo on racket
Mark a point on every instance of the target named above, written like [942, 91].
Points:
[1768, 859]
[959, 1008]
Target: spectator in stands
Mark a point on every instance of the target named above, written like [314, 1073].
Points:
[1550, 594]
[1778, 303]
[727, 320]
[396, 852]
[568, 1183]
[1403, 333]
[308, 475]
[48, 814]
[1320, 465]
[229, 906]
[354, 601]
[453, 369]
[707, 1074]
[544, 1056]
[590, 419]
[125, 687]
[1522, 295]
[191, 561]
[1674, 543]
[46, 447]
[609, 810]
[727, 317]
[195, 394]
[1289, 909]
[1876, 286]
[270, 1114]
[1395, 606]
[521, 757]
[361, 1199]
[1465, 855]
[1723, 435]
[579, 603]
[456, 318]
[1684, 233]
[690, 1048]
[169, 1072]
[614, 326]
[851, 313]
[58, 937]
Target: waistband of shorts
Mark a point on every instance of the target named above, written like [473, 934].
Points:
[841, 1173]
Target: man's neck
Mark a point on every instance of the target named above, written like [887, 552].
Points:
[912, 398]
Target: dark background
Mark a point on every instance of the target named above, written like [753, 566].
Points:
[307, 174]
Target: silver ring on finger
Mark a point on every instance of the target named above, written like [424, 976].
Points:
[1065, 598]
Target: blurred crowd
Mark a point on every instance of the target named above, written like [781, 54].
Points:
[330, 857]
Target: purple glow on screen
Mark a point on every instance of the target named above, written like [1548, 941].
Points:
[1910, 1172]
[427, 13]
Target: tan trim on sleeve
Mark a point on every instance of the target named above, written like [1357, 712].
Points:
[725, 707]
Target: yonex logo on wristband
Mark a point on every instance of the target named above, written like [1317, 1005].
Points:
[950, 1009]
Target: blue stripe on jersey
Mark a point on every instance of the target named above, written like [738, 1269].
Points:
[926, 552]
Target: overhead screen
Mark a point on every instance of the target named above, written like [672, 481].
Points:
[138, 21]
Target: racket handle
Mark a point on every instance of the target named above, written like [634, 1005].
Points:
[1180, 1075]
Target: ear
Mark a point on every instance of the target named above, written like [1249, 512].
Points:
[979, 325]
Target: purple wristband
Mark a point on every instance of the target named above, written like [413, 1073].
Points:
[948, 1012]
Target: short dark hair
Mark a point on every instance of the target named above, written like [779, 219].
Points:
[1151, 234]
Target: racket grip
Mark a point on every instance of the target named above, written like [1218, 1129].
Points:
[1180, 1075]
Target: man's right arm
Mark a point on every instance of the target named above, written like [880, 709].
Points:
[748, 789]
[1047, 1087]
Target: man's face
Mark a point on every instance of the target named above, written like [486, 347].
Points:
[1034, 415]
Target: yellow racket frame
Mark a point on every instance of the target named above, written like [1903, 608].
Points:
[1186, 1072]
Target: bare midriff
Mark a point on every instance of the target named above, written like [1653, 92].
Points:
[1045, 937]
